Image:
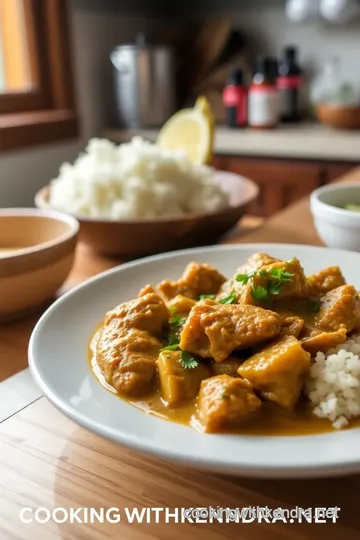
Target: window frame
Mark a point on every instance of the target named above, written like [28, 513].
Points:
[47, 113]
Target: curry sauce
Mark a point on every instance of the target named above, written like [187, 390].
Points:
[273, 421]
[227, 355]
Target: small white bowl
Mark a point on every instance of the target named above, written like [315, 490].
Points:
[337, 227]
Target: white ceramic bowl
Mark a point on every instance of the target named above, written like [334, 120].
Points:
[58, 360]
[337, 227]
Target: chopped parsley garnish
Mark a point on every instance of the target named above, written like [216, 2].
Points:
[274, 287]
[172, 309]
[188, 361]
[315, 305]
[177, 320]
[171, 347]
[276, 277]
[230, 299]
[259, 293]
[281, 275]
[244, 278]
[203, 296]
[173, 338]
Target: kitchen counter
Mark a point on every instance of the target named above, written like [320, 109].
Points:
[301, 141]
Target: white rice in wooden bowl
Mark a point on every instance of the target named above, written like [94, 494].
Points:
[333, 386]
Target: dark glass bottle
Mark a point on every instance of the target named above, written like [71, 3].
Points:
[235, 100]
[274, 68]
[289, 83]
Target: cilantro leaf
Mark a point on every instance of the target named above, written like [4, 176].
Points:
[259, 293]
[177, 320]
[275, 287]
[244, 278]
[276, 272]
[315, 305]
[281, 274]
[286, 276]
[173, 338]
[171, 347]
[203, 296]
[231, 299]
[188, 361]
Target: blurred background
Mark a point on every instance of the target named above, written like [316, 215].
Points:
[65, 76]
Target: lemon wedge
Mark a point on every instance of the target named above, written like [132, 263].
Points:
[191, 130]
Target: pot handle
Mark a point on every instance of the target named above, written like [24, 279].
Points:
[118, 64]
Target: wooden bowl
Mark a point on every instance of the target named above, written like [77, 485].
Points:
[36, 255]
[140, 238]
[338, 117]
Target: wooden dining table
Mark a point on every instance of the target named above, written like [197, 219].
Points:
[50, 467]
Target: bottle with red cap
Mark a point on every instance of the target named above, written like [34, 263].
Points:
[235, 100]
[289, 83]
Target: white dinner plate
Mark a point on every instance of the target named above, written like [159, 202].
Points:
[58, 362]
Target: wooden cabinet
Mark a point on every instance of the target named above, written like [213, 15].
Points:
[333, 171]
[281, 182]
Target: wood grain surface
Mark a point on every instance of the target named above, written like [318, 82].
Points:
[48, 461]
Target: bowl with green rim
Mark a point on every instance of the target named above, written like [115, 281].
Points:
[336, 213]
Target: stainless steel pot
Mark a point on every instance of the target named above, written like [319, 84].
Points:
[144, 84]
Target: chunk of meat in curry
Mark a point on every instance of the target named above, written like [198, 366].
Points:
[323, 341]
[278, 372]
[294, 289]
[292, 326]
[197, 279]
[339, 308]
[325, 281]
[225, 402]
[147, 312]
[214, 330]
[181, 305]
[178, 384]
[254, 263]
[129, 343]
[148, 289]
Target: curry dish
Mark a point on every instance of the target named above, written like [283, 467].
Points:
[227, 354]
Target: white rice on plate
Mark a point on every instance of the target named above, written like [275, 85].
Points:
[333, 386]
[135, 180]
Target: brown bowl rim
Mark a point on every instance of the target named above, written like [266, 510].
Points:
[41, 202]
[337, 107]
[41, 213]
